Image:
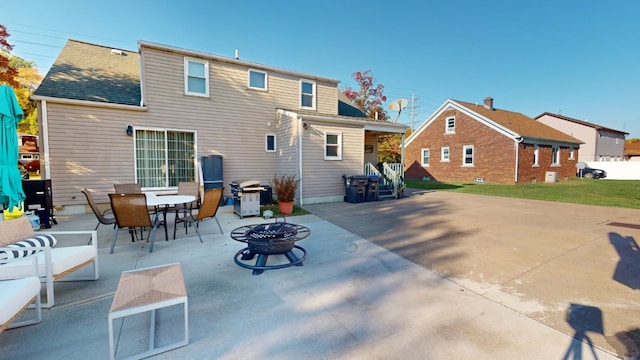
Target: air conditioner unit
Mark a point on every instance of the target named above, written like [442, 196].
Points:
[551, 176]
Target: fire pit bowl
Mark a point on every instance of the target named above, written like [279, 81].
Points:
[276, 238]
[270, 239]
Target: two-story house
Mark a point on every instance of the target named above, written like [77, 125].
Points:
[600, 143]
[148, 116]
[466, 142]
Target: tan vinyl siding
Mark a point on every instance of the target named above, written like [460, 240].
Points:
[371, 140]
[323, 178]
[88, 148]
[233, 121]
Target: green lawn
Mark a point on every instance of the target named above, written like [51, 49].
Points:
[616, 193]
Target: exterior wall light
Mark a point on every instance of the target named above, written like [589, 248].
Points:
[129, 130]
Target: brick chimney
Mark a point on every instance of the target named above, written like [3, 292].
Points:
[488, 103]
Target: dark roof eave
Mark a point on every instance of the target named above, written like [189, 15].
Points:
[527, 139]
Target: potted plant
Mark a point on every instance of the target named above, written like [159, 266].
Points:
[285, 187]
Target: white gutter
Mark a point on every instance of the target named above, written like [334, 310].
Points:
[516, 143]
[300, 158]
[45, 140]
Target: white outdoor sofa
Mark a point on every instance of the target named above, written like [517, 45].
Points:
[17, 294]
[54, 263]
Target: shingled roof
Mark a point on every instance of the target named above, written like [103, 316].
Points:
[581, 122]
[519, 123]
[90, 72]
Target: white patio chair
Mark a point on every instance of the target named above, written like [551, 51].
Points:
[54, 263]
[17, 294]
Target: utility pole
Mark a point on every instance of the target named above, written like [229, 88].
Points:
[414, 113]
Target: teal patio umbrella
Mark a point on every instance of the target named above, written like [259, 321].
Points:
[11, 193]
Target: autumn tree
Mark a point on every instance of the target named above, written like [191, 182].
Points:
[28, 79]
[8, 74]
[369, 97]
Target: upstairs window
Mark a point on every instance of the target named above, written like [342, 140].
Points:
[425, 157]
[257, 80]
[196, 77]
[333, 146]
[450, 126]
[467, 155]
[307, 94]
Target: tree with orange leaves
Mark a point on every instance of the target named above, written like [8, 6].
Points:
[369, 97]
[8, 74]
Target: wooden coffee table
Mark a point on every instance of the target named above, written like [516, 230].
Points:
[149, 289]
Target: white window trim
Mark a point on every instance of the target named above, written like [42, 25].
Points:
[422, 152]
[266, 143]
[266, 80]
[314, 94]
[555, 161]
[464, 155]
[165, 131]
[339, 145]
[442, 158]
[186, 77]
[536, 156]
[446, 125]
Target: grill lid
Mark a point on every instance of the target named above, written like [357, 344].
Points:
[245, 183]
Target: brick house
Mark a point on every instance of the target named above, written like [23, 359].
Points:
[465, 142]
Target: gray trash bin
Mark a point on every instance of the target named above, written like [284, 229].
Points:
[355, 187]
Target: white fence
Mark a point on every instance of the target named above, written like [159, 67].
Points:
[618, 170]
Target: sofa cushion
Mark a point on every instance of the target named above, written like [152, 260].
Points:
[26, 246]
[15, 230]
[14, 294]
[62, 259]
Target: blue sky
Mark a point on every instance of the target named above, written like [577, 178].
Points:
[577, 58]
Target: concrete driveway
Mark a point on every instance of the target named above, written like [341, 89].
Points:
[575, 268]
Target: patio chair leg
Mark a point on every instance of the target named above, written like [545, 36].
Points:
[113, 242]
[221, 232]
[200, 237]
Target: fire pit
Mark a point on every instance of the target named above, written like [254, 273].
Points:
[276, 238]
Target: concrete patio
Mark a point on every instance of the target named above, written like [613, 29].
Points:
[352, 299]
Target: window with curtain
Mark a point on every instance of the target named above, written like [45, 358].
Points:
[164, 157]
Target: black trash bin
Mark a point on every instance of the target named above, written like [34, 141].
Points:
[356, 188]
[372, 193]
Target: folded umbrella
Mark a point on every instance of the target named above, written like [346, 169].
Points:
[11, 193]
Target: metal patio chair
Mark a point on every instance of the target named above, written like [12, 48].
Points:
[208, 209]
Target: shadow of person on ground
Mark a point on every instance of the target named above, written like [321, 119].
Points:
[583, 319]
[628, 269]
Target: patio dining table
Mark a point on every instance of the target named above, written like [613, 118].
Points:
[162, 203]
